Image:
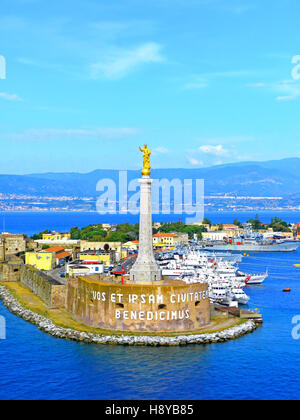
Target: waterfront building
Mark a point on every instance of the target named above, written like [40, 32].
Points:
[200, 223]
[131, 245]
[163, 241]
[2, 250]
[212, 228]
[41, 260]
[107, 258]
[103, 246]
[84, 268]
[214, 236]
[182, 238]
[47, 259]
[56, 236]
[157, 225]
[13, 243]
[232, 231]
[66, 243]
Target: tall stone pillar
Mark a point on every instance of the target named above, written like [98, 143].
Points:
[145, 268]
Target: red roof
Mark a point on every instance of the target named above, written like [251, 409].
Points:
[55, 249]
[61, 255]
[166, 235]
[90, 262]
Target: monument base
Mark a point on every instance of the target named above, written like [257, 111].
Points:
[166, 306]
[145, 273]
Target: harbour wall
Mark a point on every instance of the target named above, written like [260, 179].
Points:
[46, 325]
[48, 289]
[44, 286]
[166, 307]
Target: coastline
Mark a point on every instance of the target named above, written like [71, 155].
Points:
[47, 326]
[231, 211]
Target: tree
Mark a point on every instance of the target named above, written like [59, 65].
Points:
[118, 237]
[75, 233]
[206, 221]
[237, 223]
[278, 225]
[37, 236]
[199, 236]
[256, 223]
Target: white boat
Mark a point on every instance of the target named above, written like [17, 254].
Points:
[252, 278]
[220, 294]
[224, 280]
[239, 295]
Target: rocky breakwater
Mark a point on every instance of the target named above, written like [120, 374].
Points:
[47, 326]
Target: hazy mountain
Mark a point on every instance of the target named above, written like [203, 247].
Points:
[272, 178]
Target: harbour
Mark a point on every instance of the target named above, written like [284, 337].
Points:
[113, 371]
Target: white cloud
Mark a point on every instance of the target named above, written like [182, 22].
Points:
[213, 150]
[204, 80]
[287, 98]
[99, 49]
[257, 85]
[100, 133]
[195, 162]
[119, 63]
[286, 90]
[38, 64]
[226, 140]
[289, 90]
[195, 85]
[10, 97]
[161, 150]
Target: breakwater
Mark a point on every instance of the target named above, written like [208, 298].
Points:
[47, 326]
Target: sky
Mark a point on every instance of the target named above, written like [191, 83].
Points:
[83, 83]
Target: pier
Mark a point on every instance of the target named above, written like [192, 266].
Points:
[240, 313]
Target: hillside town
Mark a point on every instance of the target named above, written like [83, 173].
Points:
[228, 202]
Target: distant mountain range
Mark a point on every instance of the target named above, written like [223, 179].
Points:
[272, 178]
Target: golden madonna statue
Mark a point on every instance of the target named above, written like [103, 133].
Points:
[147, 164]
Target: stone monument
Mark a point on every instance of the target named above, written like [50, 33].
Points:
[147, 302]
[145, 268]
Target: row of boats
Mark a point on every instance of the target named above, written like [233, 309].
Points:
[220, 270]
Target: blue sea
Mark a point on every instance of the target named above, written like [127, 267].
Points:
[262, 365]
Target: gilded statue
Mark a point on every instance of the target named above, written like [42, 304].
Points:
[147, 164]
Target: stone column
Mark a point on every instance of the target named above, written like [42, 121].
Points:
[145, 268]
